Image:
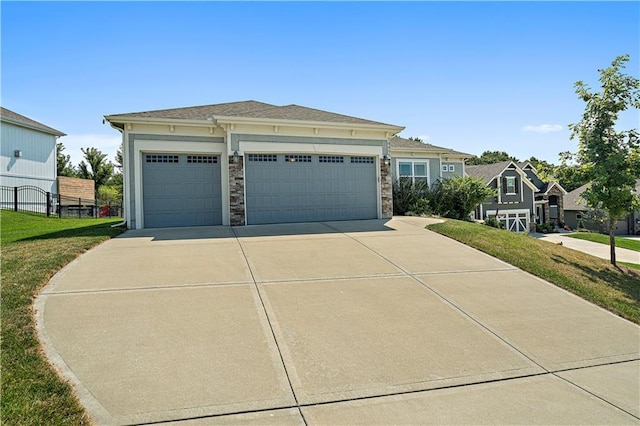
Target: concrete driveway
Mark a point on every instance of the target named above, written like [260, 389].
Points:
[368, 322]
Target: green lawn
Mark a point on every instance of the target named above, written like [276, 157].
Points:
[604, 239]
[33, 249]
[592, 278]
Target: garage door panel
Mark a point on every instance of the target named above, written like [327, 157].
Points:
[302, 191]
[185, 191]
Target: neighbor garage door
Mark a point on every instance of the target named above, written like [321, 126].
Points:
[181, 190]
[309, 188]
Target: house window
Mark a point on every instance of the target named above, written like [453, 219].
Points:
[445, 168]
[510, 184]
[415, 171]
[452, 168]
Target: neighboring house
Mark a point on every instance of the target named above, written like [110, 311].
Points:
[523, 198]
[420, 161]
[575, 210]
[28, 153]
[250, 162]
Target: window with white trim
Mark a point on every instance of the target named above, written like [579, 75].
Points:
[416, 171]
[510, 184]
[445, 168]
[452, 168]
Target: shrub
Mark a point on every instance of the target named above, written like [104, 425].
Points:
[406, 195]
[456, 197]
[494, 223]
[544, 227]
[421, 207]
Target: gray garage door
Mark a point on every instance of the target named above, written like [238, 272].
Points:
[310, 188]
[181, 190]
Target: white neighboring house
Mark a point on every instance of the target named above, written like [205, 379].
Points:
[28, 152]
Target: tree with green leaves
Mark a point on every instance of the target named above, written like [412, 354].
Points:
[96, 167]
[490, 157]
[456, 197]
[63, 162]
[611, 158]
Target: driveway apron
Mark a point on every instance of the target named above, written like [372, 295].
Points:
[362, 322]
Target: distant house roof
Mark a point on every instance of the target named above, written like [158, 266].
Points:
[574, 201]
[402, 143]
[15, 118]
[248, 109]
[487, 172]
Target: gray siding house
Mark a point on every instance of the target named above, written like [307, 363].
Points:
[250, 162]
[514, 204]
[28, 152]
[523, 200]
[576, 213]
[422, 161]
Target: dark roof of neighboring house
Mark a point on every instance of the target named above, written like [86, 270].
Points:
[398, 142]
[487, 172]
[15, 118]
[249, 109]
[573, 200]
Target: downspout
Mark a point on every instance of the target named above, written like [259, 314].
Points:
[124, 222]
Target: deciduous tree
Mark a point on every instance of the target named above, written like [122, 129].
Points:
[611, 158]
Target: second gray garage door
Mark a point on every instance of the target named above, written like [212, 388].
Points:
[181, 190]
[310, 188]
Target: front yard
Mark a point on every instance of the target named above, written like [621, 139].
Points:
[593, 279]
[33, 249]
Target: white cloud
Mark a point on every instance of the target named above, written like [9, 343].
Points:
[424, 138]
[108, 144]
[543, 128]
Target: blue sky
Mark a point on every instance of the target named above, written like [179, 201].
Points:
[471, 76]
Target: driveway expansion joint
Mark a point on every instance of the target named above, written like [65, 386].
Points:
[273, 334]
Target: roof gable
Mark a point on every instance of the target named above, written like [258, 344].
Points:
[15, 118]
[397, 142]
[488, 172]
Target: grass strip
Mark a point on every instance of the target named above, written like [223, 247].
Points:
[592, 278]
[626, 243]
[34, 248]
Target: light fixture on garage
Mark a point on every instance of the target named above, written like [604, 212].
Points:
[387, 160]
[17, 153]
[236, 157]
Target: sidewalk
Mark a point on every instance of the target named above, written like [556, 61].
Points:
[589, 247]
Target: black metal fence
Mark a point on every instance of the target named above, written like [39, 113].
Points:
[36, 200]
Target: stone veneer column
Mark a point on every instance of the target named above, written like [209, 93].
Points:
[236, 191]
[386, 189]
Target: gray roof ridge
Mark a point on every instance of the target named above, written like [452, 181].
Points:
[271, 106]
[14, 117]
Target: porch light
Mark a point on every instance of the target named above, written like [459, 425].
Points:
[236, 157]
[387, 160]
[17, 153]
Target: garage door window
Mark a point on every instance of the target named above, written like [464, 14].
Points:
[414, 171]
[161, 158]
[361, 160]
[202, 159]
[262, 157]
[331, 159]
[295, 158]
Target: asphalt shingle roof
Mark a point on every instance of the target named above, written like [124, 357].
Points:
[398, 142]
[249, 109]
[573, 200]
[14, 117]
[486, 172]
